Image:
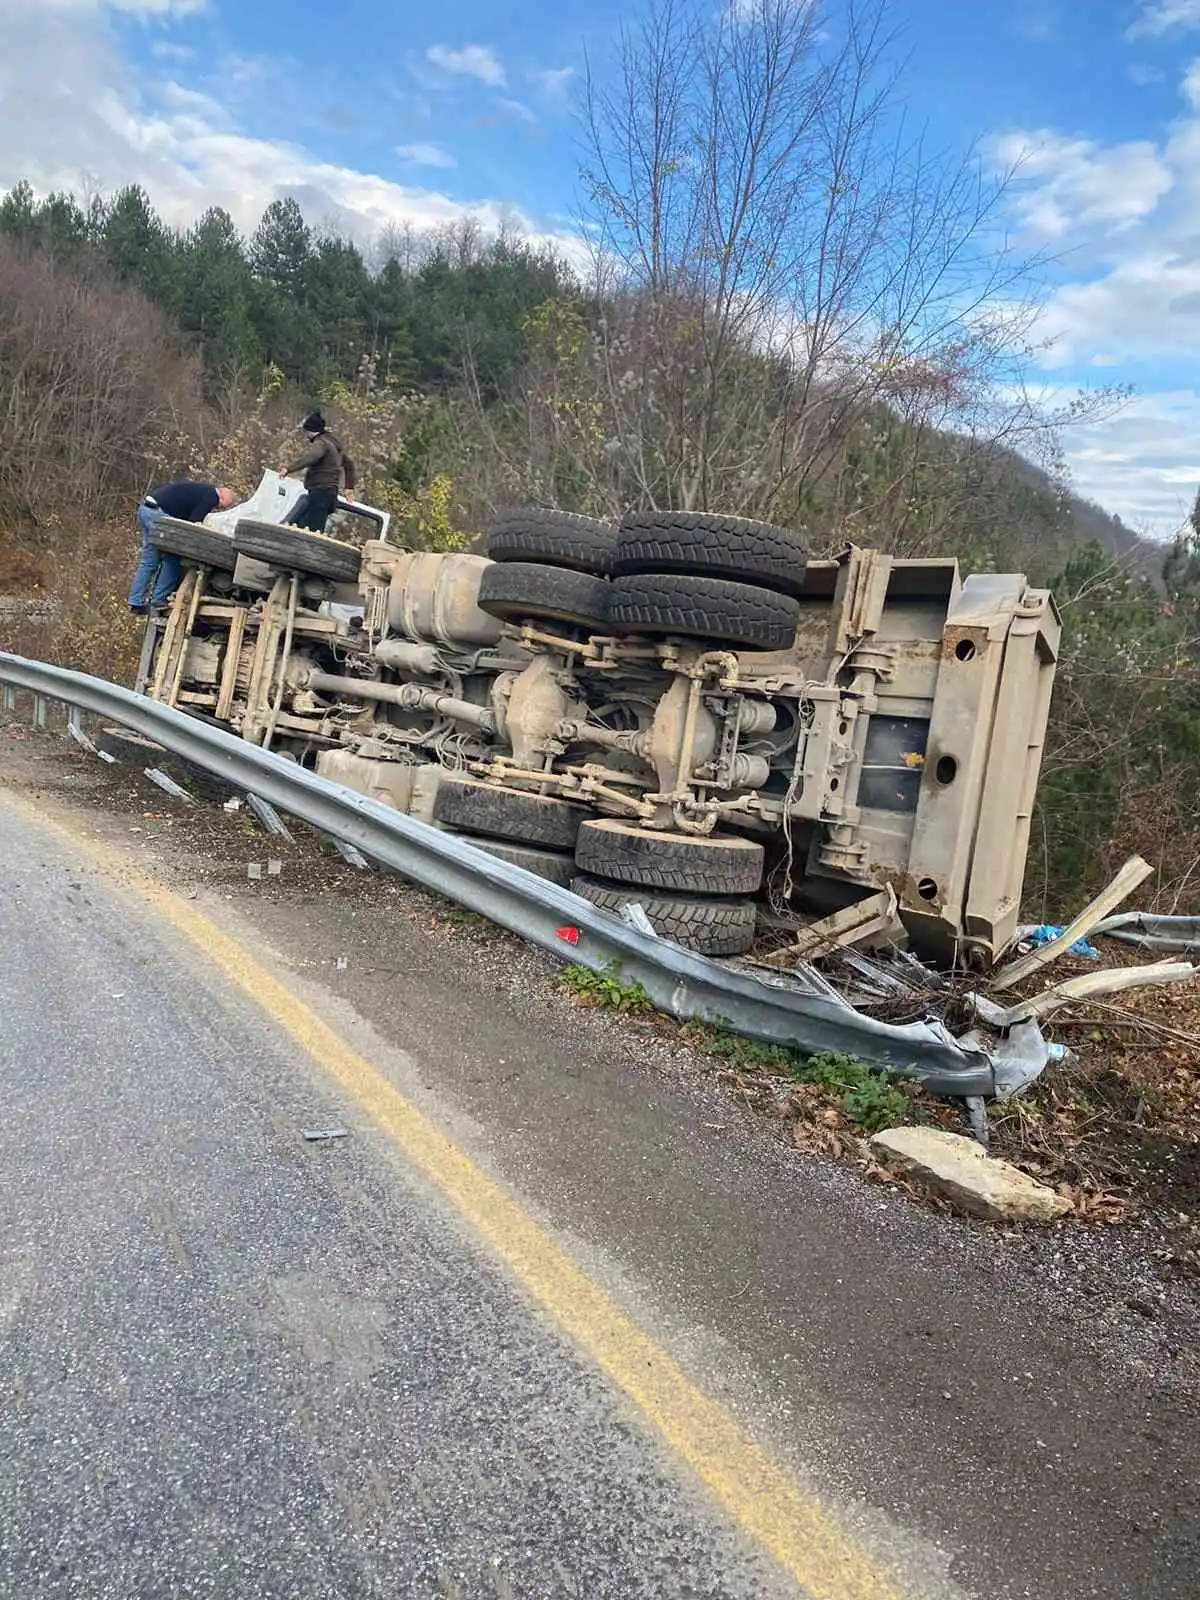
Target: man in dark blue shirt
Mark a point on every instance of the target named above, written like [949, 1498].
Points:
[158, 571]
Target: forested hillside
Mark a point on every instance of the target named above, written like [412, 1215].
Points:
[479, 364]
[803, 317]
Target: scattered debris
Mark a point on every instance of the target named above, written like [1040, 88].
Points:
[634, 913]
[324, 1135]
[873, 918]
[350, 854]
[959, 1169]
[269, 817]
[1150, 932]
[254, 870]
[82, 738]
[233, 804]
[1089, 986]
[1048, 933]
[167, 784]
[1134, 872]
[274, 868]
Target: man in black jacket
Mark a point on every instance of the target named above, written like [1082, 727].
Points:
[158, 571]
[327, 470]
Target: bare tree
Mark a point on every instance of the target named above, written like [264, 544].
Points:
[780, 254]
[95, 398]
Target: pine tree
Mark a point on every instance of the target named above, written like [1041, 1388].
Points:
[216, 294]
[17, 216]
[137, 248]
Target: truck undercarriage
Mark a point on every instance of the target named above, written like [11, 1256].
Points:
[683, 711]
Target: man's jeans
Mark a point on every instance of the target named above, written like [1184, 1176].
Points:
[157, 567]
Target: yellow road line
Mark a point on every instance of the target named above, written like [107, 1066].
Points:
[752, 1488]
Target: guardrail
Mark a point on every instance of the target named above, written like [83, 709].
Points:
[805, 1013]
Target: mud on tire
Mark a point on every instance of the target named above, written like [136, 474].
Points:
[703, 608]
[519, 591]
[707, 546]
[194, 543]
[297, 550]
[719, 864]
[475, 807]
[710, 926]
[555, 538]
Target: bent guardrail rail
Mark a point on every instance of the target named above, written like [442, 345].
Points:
[686, 985]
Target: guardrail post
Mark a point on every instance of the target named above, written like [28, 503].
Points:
[8, 698]
[39, 711]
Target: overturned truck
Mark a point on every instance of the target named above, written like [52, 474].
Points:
[680, 710]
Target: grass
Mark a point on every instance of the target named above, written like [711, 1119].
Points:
[604, 989]
[867, 1098]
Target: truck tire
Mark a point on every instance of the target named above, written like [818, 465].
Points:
[297, 550]
[719, 864]
[556, 866]
[518, 591]
[703, 608]
[194, 543]
[554, 538]
[475, 807]
[710, 926]
[717, 547]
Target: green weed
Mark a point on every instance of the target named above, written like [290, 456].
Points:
[869, 1098]
[604, 989]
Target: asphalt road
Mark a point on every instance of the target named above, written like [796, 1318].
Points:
[233, 1363]
[242, 1365]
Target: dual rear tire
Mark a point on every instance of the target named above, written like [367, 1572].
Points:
[662, 574]
[694, 890]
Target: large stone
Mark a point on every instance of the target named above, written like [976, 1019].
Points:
[951, 1165]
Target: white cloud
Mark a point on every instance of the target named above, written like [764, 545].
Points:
[1164, 16]
[157, 8]
[1063, 184]
[518, 109]
[1143, 463]
[472, 61]
[160, 10]
[1127, 217]
[555, 81]
[77, 116]
[425, 155]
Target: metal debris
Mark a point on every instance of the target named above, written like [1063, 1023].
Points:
[168, 785]
[348, 853]
[634, 913]
[324, 1135]
[269, 817]
[1088, 987]
[871, 918]
[1151, 932]
[1134, 872]
[81, 738]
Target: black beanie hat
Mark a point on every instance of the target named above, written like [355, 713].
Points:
[314, 422]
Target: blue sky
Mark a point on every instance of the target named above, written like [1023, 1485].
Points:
[372, 112]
